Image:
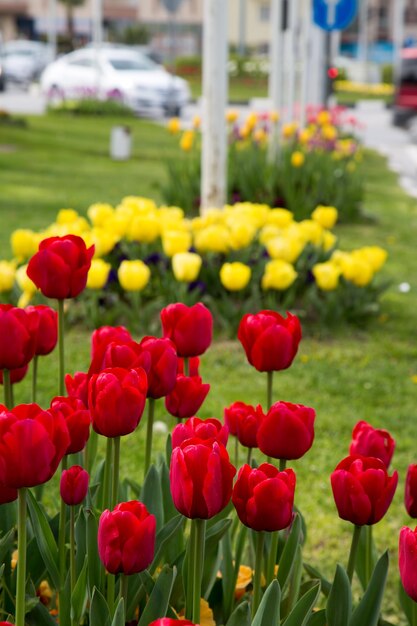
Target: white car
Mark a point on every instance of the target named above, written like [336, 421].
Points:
[24, 60]
[115, 73]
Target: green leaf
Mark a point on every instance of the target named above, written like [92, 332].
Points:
[119, 615]
[240, 616]
[80, 540]
[152, 496]
[269, 609]
[318, 618]
[164, 537]
[228, 575]
[39, 616]
[169, 508]
[158, 602]
[301, 612]
[99, 611]
[406, 603]
[368, 610]
[65, 603]
[339, 603]
[293, 584]
[6, 543]
[45, 539]
[92, 450]
[212, 554]
[366, 556]
[79, 595]
[326, 585]
[287, 559]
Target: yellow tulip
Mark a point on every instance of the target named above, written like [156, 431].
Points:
[235, 276]
[104, 241]
[305, 136]
[329, 132]
[260, 135]
[174, 125]
[374, 255]
[285, 248]
[357, 271]
[274, 116]
[326, 216]
[144, 228]
[24, 243]
[251, 120]
[186, 266]
[174, 241]
[241, 234]
[244, 579]
[98, 274]
[268, 232]
[231, 116]
[324, 117]
[99, 213]
[329, 240]
[196, 122]
[133, 275]
[278, 275]
[297, 159]
[7, 275]
[326, 275]
[289, 130]
[138, 204]
[311, 231]
[66, 216]
[187, 140]
[280, 217]
[214, 238]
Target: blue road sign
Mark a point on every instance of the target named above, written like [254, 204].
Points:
[172, 5]
[334, 14]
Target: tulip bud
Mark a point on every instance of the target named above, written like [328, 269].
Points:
[369, 441]
[47, 335]
[159, 359]
[208, 429]
[287, 431]
[77, 418]
[243, 421]
[74, 485]
[187, 396]
[410, 497]
[190, 328]
[407, 561]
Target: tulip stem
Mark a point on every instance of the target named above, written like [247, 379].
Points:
[124, 581]
[249, 459]
[190, 574]
[241, 540]
[414, 614]
[116, 465]
[270, 376]
[353, 550]
[272, 559]
[282, 465]
[7, 389]
[61, 347]
[258, 572]
[34, 376]
[21, 564]
[149, 432]
[368, 553]
[186, 366]
[72, 553]
[111, 584]
[198, 553]
[106, 477]
[62, 527]
[236, 451]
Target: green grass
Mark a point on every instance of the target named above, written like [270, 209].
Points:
[346, 375]
[240, 89]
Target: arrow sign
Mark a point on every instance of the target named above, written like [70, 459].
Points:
[172, 5]
[334, 14]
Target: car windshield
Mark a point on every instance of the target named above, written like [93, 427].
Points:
[131, 64]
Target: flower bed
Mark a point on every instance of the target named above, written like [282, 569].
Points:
[315, 165]
[187, 538]
[242, 258]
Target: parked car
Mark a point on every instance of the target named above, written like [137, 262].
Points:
[115, 72]
[24, 60]
[405, 96]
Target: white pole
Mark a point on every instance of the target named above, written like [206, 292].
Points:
[97, 19]
[363, 36]
[292, 56]
[398, 34]
[306, 49]
[242, 27]
[214, 140]
[317, 67]
[52, 28]
[276, 75]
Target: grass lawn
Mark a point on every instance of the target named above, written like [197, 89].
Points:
[347, 375]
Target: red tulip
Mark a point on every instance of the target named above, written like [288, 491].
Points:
[168, 621]
[407, 561]
[243, 421]
[77, 386]
[32, 444]
[201, 478]
[264, 497]
[124, 353]
[116, 398]
[362, 489]
[187, 396]
[410, 497]
[6, 624]
[15, 375]
[18, 330]
[126, 538]
[78, 420]
[209, 429]
[161, 357]
[7, 494]
[270, 340]
[47, 335]
[369, 441]
[190, 328]
[60, 267]
[74, 485]
[107, 334]
[287, 431]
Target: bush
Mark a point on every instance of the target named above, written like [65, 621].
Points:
[91, 106]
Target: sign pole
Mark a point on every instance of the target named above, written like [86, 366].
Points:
[363, 37]
[398, 35]
[214, 139]
[275, 86]
[242, 27]
[305, 56]
[291, 61]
